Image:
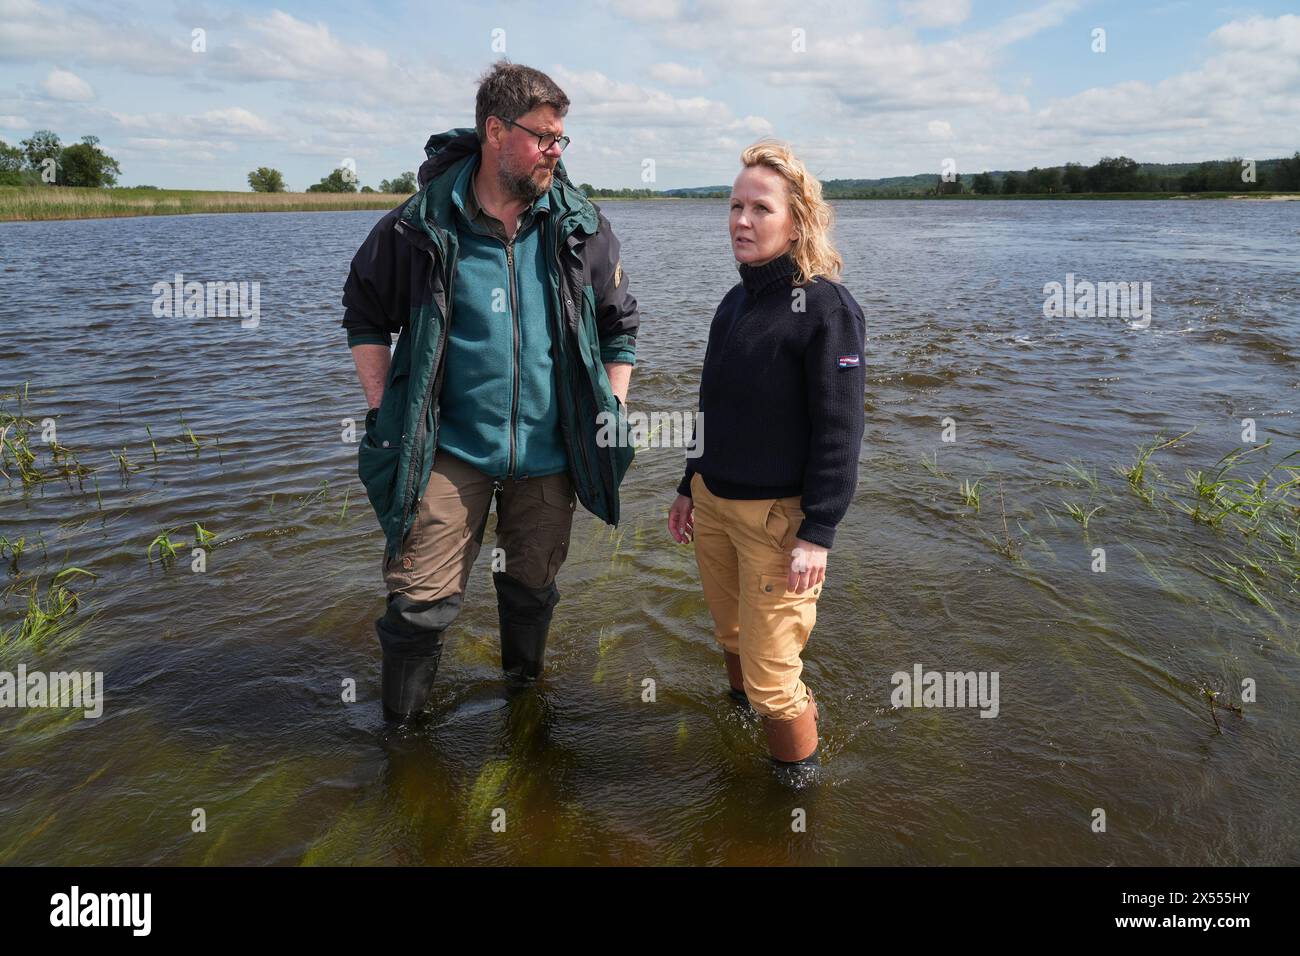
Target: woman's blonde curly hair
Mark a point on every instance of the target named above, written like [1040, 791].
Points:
[814, 254]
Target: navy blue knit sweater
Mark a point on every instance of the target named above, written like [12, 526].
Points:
[781, 396]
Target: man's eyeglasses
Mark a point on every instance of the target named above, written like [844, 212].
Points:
[544, 140]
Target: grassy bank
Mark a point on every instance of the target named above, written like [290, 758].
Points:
[70, 202]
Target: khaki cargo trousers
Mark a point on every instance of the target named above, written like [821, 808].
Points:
[534, 520]
[743, 549]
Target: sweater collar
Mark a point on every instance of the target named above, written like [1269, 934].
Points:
[768, 277]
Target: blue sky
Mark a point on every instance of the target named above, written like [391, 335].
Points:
[873, 89]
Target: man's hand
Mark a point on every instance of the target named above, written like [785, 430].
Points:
[681, 519]
[807, 566]
[372, 370]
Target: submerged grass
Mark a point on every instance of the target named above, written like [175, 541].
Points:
[970, 494]
[19, 455]
[49, 615]
[1136, 473]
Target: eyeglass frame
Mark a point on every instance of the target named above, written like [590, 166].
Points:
[540, 136]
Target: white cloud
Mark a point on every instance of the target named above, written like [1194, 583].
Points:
[936, 13]
[230, 121]
[1251, 84]
[607, 101]
[675, 74]
[281, 47]
[13, 122]
[33, 31]
[148, 144]
[65, 85]
[236, 121]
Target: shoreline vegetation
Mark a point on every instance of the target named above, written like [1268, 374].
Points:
[46, 202]
[42, 179]
[43, 203]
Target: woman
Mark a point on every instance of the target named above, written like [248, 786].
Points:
[781, 394]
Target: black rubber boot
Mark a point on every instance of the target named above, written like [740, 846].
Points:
[410, 634]
[407, 683]
[525, 615]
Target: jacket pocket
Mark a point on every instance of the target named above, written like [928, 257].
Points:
[379, 453]
[623, 453]
[377, 468]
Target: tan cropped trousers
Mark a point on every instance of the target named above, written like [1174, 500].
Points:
[743, 549]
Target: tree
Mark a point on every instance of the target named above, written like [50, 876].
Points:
[266, 180]
[404, 183]
[983, 184]
[367, 189]
[1074, 178]
[1117, 175]
[588, 190]
[85, 164]
[1012, 184]
[339, 181]
[1043, 180]
[11, 158]
[1287, 174]
[11, 164]
[42, 145]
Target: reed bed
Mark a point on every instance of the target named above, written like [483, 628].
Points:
[71, 202]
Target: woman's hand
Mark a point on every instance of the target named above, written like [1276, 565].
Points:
[681, 519]
[807, 566]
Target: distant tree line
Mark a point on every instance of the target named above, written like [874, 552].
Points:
[1117, 174]
[1120, 174]
[42, 158]
[341, 180]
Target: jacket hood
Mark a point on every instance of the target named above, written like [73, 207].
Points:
[445, 149]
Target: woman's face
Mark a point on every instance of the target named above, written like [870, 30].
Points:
[761, 225]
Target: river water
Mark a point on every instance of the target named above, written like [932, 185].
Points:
[225, 690]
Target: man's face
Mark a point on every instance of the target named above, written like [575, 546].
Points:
[524, 171]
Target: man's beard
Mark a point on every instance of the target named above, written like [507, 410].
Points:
[521, 186]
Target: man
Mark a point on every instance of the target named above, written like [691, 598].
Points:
[516, 331]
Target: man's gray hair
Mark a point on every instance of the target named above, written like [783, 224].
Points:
[509, 90]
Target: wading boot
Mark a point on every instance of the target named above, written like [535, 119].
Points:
[735, 679]
[793, 743]
[525, 616]
[410, 634]
[407, 683]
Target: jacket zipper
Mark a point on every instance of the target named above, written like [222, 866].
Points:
[514, 321]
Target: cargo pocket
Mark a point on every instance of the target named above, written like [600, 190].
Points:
[783, 615]
[560, 504]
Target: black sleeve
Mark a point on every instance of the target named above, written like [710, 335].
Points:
[835, 373]
[377, 293]
[617, 315]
